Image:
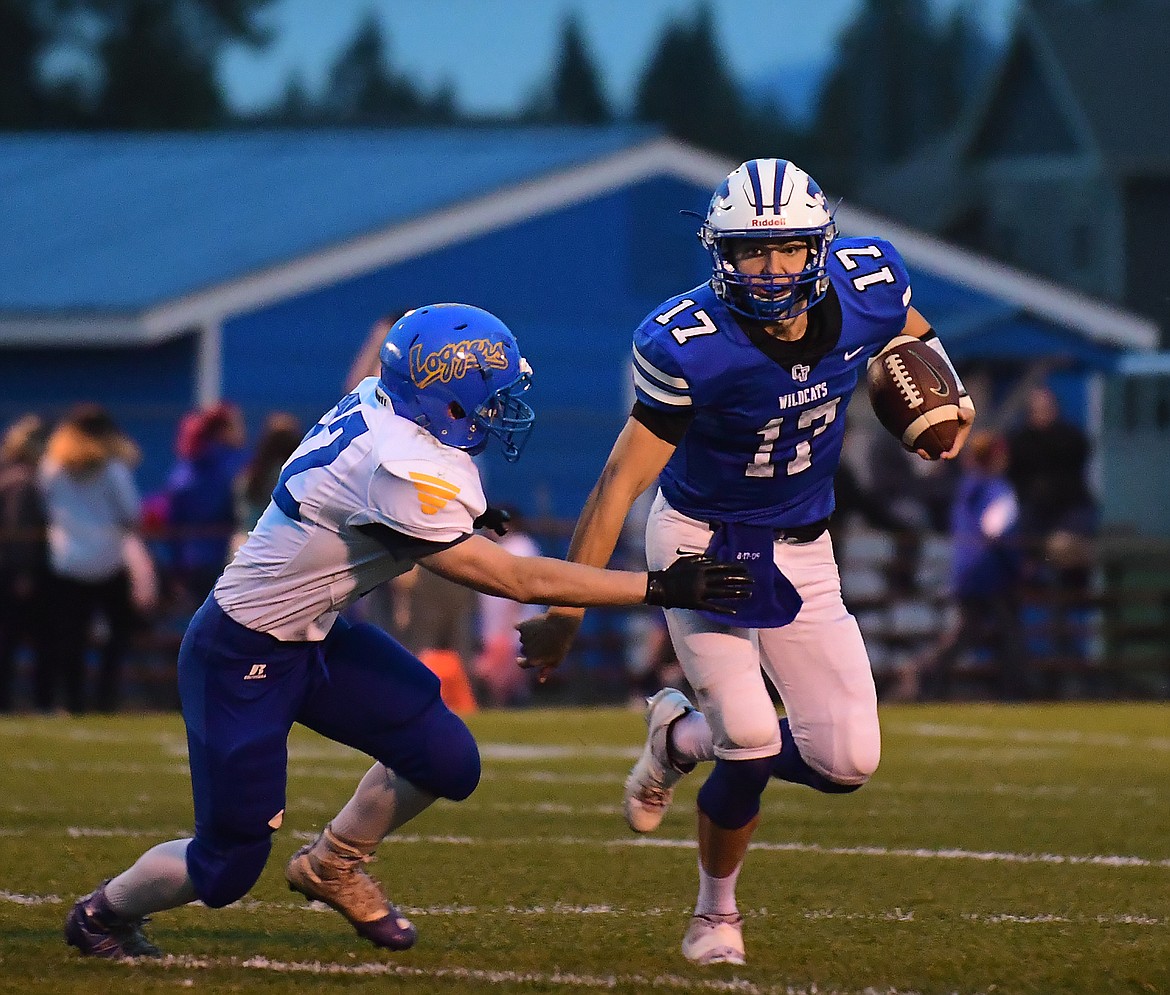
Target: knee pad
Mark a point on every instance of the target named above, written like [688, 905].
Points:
[748, 729]
[789, 765]
[443, 760]
[224, 872]
[730, 797]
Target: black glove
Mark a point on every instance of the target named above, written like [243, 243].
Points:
[695, 581]
[495, 519]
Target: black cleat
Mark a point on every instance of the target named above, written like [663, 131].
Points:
[98, 931]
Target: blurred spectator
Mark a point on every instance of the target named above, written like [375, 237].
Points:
[1058, 515]
[852, 498]
[985, 573]
[200, 506]
[23, 554]
[92, 504]
[654, 664]
[906, 496]
[434, 618]
[367, 361]
[1048, 464]
[504, 683]
[254, 484]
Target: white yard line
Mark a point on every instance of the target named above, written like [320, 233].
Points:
[65, 729]
[119, 832]
[574, 842]
[1062, 737]
[616, 777]
[567, 909]
[564, 909]
[922, 853]
[1011, 790]
[561, 979]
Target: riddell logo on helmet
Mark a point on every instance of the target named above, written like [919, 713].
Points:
[778, 222]
[454, 360]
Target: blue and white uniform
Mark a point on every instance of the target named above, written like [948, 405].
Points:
[765, 438]
[363, 474]
[364, 494]
[757, 459]
[383, 480]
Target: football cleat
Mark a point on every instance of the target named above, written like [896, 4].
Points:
[329, 870]
[98, 931]
[650, 785]
[714, 939]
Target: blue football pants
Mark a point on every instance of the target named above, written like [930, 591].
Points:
[241, 692]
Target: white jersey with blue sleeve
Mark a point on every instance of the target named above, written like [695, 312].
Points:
[364, 490]
[765, 435]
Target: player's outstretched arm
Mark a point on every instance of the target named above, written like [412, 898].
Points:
[690, 582]
[634, 463]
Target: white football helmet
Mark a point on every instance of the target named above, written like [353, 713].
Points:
[769, 199]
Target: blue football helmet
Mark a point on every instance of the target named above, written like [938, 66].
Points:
[457, 371]
[768, 199]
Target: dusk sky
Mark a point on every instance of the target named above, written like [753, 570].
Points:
[497, 52]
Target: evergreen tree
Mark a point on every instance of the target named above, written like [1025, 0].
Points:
[688, 89]
[363, 89]
[295, 106]
[154, 76]
[961, 58]
[899, 80]
[23, 36]
[157, 58]
[576, 89]
[443, 106]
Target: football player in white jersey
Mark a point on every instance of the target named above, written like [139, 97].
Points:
[741, 386]
[384, 480]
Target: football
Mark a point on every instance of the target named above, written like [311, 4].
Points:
[914, 395]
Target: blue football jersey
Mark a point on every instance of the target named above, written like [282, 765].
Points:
[765, 439]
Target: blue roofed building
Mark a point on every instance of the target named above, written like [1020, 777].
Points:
[156, 272]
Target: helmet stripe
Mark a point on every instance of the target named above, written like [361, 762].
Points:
[753, 168]
[778, 184]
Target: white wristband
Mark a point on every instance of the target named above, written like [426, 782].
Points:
[931, 339]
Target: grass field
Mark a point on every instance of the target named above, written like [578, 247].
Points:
[998, 849]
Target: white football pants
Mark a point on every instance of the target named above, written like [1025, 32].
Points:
[817, 663]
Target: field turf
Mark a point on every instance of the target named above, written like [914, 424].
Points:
[998, 849]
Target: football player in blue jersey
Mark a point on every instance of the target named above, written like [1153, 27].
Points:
[385, 480]
[741, 387]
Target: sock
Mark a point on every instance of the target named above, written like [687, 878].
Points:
[716, 895]
[158, 880]
[689, 740]
[382, 802]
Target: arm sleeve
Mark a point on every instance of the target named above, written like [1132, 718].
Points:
[403, 546]
[669, 426]
[931, 339]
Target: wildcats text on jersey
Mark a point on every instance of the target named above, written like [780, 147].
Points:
[805, 395]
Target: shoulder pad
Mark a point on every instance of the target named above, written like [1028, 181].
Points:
[427, 499]
[666, 345]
